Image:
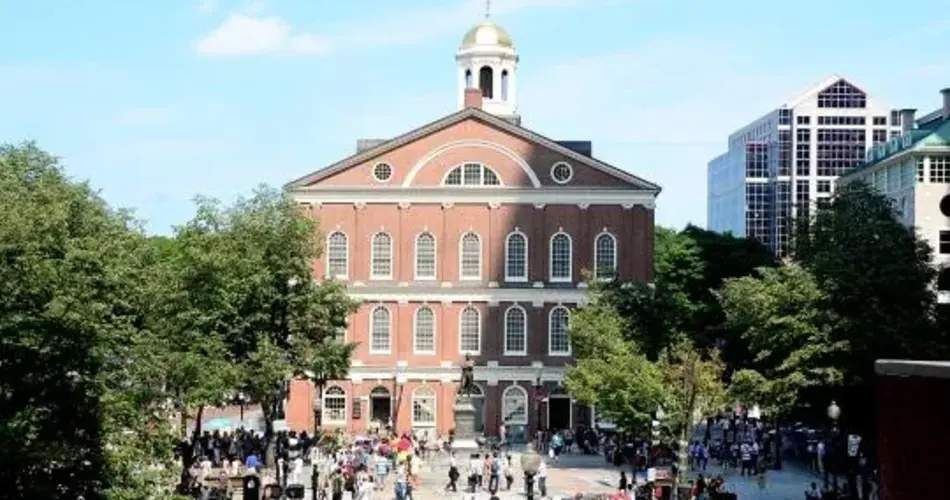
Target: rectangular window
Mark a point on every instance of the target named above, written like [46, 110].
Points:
[921, 170]
[880, 120]
[944, 242]
[824, 186]
[939, 169]
[803, 120]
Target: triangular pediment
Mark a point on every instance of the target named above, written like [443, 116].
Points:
[566, 150]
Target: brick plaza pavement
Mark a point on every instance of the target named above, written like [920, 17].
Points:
[591, 474]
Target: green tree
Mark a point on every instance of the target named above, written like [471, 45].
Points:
[781, 315]
[609, 370]
[81, 414]
[277, 320]
[877, 275]
[693, 383]
[690, 266]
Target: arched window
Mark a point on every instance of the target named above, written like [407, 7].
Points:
[471, 174]
[486, 81]
[561, 257]
[504, 85]
[470, 256]
[559, 342]
[338, 255]
[381, 257]
[379, 331]
[334, 405]
[423, 407]
[470, 331]
[516, 256]
[423, 331]
[605, 256]
[514, 406]
[516, 331]
[425, 256]
[468, 79]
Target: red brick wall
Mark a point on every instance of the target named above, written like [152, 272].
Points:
[913, 436]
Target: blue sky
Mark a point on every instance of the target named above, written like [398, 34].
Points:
[157, 101]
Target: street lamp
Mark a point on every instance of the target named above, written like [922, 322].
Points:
[659, 415]
[834, 413]
[530, 464]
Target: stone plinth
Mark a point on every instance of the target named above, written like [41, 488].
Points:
[465, 435]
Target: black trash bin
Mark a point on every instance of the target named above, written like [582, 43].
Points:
[252, 486]
[295, 491]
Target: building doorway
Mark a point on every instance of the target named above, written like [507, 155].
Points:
[559, 413]
[380, 406]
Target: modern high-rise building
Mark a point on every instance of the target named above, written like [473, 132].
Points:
[913, 170]
[780, 165]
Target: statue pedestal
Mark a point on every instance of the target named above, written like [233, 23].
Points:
[465, 435]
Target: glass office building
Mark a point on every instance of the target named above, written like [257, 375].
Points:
[779, 166]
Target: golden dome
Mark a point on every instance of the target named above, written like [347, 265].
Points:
[487, 33]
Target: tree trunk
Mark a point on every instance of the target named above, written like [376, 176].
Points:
[190, 452]
[686, 434]
[270, 444]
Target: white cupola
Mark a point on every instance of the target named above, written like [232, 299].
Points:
[487, 60]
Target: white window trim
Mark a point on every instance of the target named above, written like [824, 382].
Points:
[551, 323]
[481, 260]
[392, 172]
[415, 319]
[570, 273]
[479, 316]
[614, 263]
[324, 420]
[524, 395]
[524, 333]
[389, 329]
[569, 178]
[517, 279]
[435, 256]
[435, 407]
[481, 178]
[345, 275]
[372, 257]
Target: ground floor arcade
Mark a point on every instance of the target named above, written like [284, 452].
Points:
[422, 399]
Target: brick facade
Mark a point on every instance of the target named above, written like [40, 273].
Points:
[514, 324]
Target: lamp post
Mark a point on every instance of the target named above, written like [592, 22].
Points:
[242, 400]
[530, 464]
[831, 451]
[658, 415]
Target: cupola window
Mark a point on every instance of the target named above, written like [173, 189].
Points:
[486, 81]
[468, 79]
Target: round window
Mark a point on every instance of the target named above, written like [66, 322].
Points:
[562, 173]
[945, 205]
[382, 172]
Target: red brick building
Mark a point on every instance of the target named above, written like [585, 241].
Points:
[469, 235]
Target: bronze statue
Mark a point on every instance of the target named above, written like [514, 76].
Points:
[468, 376]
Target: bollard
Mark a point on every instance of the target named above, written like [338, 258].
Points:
[251, 487]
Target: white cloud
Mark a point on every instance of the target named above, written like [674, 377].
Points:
[250, 34]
